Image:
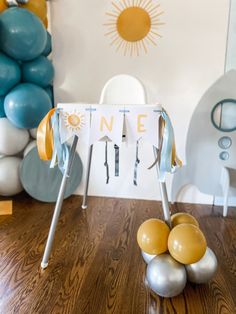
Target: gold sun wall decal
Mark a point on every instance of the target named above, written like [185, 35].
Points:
[133, 24]
[74, 121]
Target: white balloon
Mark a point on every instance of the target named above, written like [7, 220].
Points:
[12, 139]
[12, 3]
[10, 176]
[33, 133]
[28, 148]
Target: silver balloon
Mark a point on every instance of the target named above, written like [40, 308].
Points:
[166, 276]
[203, 270]
[147, 257]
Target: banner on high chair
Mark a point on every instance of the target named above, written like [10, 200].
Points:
[110, 122]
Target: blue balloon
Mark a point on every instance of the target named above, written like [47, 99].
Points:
[10, 74]
[22, 34]
[48, 47]
[42, 182]
[49, 90]
[39, 71]
[2, 111]
[26, 105]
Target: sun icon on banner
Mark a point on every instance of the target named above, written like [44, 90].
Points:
[74, 121]
[133, 24]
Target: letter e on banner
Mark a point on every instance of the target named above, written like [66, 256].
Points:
[140, 125]
[142, 122]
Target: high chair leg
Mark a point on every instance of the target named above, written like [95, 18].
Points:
[90, 154]
[164, 195]
[58, 206]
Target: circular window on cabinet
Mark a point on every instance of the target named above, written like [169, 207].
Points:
[223, 115]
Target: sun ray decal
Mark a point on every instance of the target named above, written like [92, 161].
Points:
[132, 25]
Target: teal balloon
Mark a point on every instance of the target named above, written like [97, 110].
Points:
[26, 105]
[49, 90]
[48, 47]
[2, 111]
[22, 34]
[10, 74]
[39, 71]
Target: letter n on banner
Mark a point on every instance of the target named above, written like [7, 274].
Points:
[107, 122]
[142, 122]
[104, 123]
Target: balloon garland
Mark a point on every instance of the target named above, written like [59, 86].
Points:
[26, 77]
[175, 255]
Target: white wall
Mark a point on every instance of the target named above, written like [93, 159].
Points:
[231, 58]
[176, 73]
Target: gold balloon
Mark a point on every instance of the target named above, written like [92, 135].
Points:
[3, 5]
[181, 218]
[152, 236]
[38, 7]
[186, 243]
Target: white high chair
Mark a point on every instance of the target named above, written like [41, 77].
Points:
[125, 89]
[121, 89]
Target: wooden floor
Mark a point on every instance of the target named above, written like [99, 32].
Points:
[96, 265]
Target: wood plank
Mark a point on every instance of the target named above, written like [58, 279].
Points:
[96, 265]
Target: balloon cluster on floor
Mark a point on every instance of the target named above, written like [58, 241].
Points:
[26, 76]
[175, 255]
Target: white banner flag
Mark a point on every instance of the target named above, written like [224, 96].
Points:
[107, 121]
[142, 122]
[74, 120]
